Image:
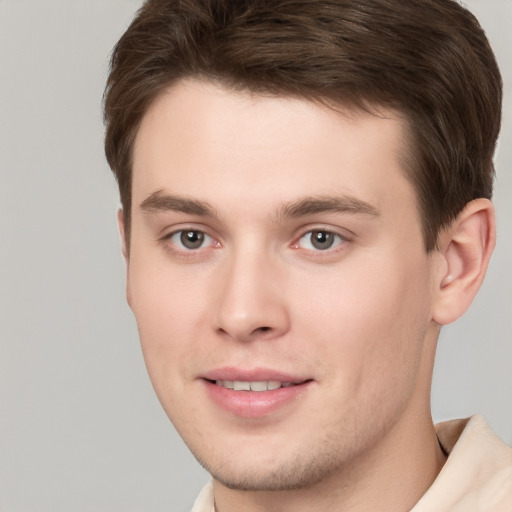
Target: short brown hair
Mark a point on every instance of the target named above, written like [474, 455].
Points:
[427, 59]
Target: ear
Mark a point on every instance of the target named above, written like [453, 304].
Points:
[122, 233]
[124, 248]
[465, 248]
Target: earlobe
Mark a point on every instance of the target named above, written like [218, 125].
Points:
[465, 247]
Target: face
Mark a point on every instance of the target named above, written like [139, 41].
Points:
[278, 276]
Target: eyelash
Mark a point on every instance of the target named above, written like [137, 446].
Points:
[336, 240]
[174, 242]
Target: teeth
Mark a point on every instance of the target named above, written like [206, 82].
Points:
[238, 385]
[259, 386]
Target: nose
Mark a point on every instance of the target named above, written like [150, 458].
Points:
[251, 298]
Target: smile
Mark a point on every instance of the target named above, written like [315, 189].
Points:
[256, 398]
[238, 385]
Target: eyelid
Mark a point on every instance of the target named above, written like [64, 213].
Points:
[166, 240]
[344, 236]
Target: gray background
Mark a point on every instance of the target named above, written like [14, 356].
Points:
[80, 428]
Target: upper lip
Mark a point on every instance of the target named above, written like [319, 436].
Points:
[252, 375]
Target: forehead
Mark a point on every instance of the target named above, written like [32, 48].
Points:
[203, 140]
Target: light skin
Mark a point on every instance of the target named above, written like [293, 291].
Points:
[276, 239]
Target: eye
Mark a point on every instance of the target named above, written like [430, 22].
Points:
[320, 240]
[190, 239]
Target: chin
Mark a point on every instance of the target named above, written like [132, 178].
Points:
[298, 472]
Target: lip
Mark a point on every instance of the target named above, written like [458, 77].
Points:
[254, 404]
[253, 374]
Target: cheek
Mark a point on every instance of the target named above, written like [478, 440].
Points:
[369, 335]
[168, 307]
[370, 320]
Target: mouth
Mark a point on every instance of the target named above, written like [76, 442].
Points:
[258, 386]
[257, 393]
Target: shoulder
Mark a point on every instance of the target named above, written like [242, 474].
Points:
[477, 476]
[204, 501]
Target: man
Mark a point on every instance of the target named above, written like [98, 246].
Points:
[306, 201]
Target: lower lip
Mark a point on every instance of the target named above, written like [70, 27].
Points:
[254, 404]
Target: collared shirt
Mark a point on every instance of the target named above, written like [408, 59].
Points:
[477, 476]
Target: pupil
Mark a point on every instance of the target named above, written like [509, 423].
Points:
[192, 239]
[322, 239]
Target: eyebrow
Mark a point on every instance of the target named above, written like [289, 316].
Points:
[328, 204]
[160, 202]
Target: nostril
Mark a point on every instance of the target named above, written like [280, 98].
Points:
[263, 329]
